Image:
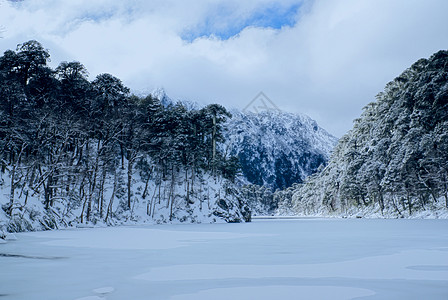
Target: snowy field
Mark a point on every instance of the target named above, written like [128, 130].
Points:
[266, 259]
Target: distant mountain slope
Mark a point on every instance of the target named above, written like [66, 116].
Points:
[394, 162]
[277, 149]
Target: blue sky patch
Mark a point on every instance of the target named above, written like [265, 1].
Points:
[225, 23]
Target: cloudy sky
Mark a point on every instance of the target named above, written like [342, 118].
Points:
[324, 58]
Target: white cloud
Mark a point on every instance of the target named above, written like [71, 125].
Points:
[329, 65]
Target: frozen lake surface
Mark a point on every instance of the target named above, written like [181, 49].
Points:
[266, 259]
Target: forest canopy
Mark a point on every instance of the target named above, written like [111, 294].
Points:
[64, 137]
[396, 156]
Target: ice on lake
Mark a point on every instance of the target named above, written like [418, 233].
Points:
[266, 259]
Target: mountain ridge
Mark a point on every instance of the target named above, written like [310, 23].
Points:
[276, 148]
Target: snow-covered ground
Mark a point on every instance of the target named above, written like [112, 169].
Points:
[267, 259]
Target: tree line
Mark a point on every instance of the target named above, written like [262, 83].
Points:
[64, 138]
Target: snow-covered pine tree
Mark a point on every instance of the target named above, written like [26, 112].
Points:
[394, 160]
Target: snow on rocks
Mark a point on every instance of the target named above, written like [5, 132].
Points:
[10, 237]
[104, 290]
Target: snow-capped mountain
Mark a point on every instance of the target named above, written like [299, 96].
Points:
[277, 149]
[160, 94]
[166, 100]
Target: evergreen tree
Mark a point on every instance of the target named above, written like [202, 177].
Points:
[395, 156]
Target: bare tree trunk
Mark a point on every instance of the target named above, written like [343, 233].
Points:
[171, 196]
[381, 200]
[92, 181]
[12, 190]
[47, 191]
[111, 201]
[101, 196]
[446, 199]
[129, 182]
[122, 156]
[187, 187]
[208, 201]
[150, 204]
[15, 163]
[90, 196]
[145, 191]
[363, 198]
[84, 204]
[395, 206]
[160, 186]
[153, 210]
[214, 138]
[408, 198]
[193, 174]
[445, 192]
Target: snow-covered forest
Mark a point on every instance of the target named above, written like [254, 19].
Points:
[394, 162]
[75, 151]
[78, 151]
[213, 149]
